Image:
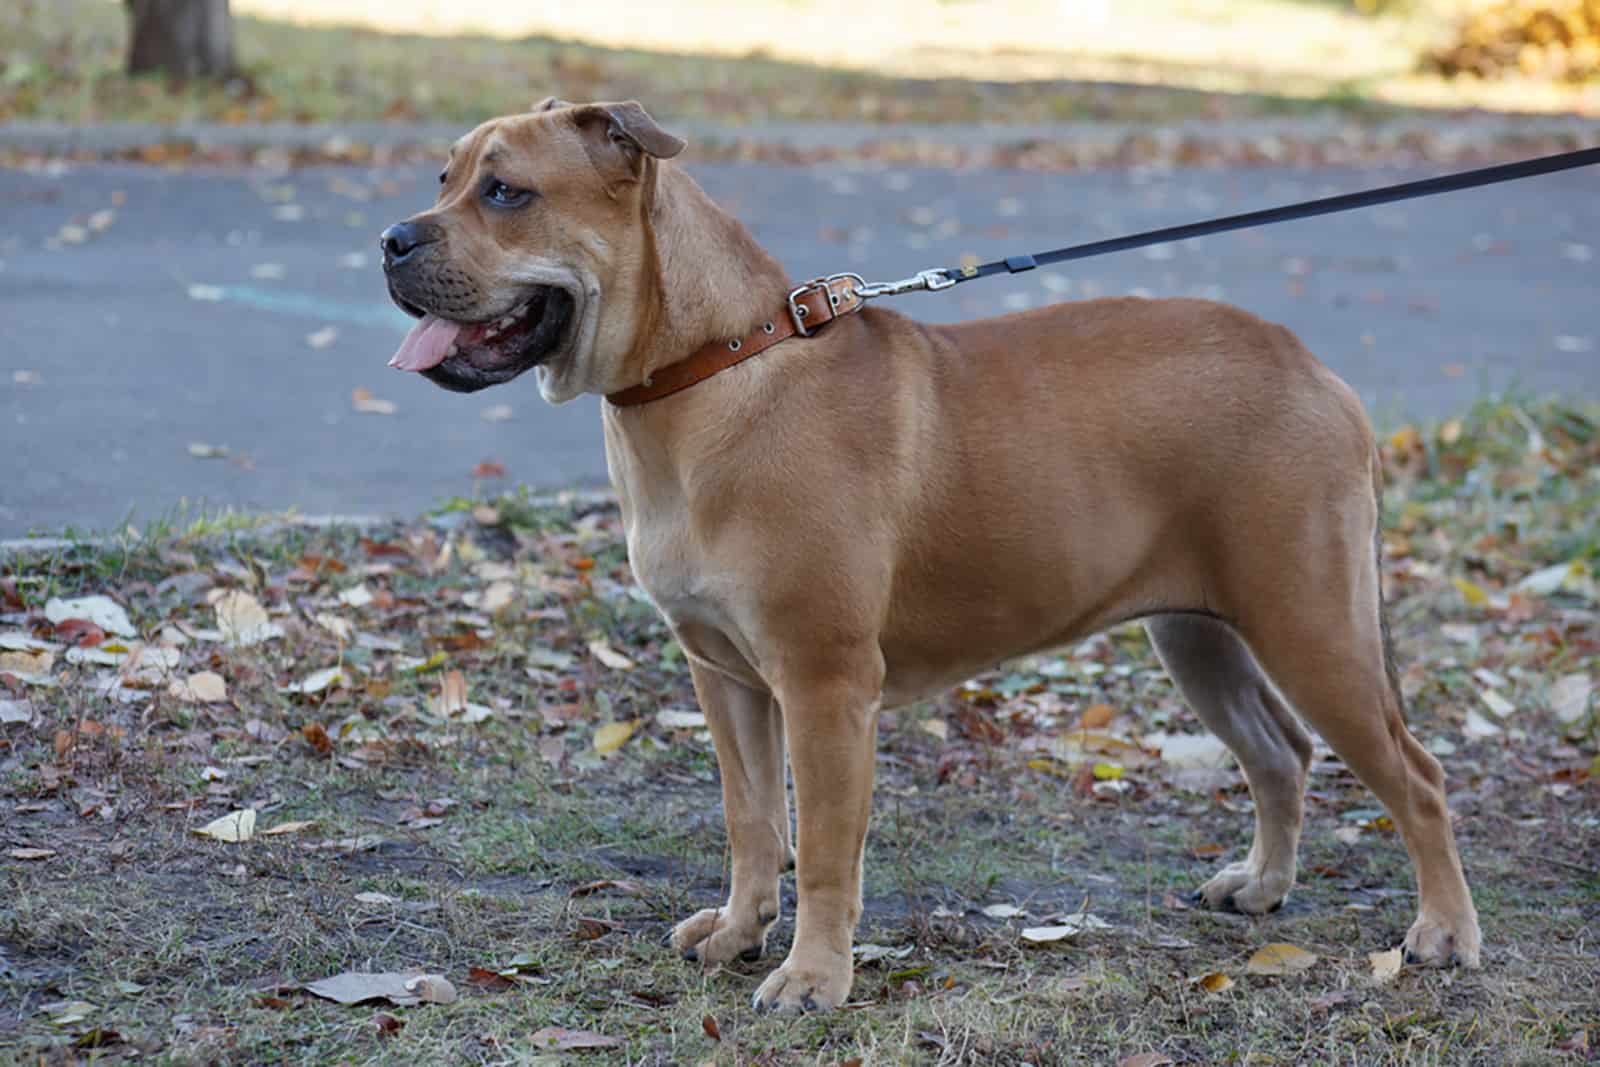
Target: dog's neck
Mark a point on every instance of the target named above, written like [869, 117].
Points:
[724, 283]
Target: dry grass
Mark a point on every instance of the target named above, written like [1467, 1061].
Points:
[481, 836]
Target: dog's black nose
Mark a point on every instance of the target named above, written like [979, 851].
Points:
[404, 238]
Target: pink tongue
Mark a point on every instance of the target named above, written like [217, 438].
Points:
[427, 344]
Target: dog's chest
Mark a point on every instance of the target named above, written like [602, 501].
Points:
[692, 594]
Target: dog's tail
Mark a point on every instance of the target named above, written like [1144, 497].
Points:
[1389, 667]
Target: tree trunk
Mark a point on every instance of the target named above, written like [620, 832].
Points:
[185, 38]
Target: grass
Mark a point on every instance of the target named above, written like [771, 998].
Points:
[486, 839]
[972, 62]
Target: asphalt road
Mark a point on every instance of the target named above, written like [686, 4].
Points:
[145, 311]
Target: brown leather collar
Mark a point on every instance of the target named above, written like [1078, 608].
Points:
[810, 307]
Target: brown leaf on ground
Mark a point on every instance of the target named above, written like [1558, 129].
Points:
[709, 1025]
[316, 736]
[560, 1039]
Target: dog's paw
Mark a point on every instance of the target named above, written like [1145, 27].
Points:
[715, 936]
[799, 986]
[1436, 942]
[1242, 887]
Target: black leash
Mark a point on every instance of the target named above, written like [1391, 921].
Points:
[945, 277]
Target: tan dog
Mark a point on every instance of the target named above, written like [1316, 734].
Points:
[863, 517]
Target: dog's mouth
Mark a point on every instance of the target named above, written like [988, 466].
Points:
[467, 356]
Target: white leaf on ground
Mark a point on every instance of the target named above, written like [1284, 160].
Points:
[17, 641]
[27, 664]
[208, 293]
[499, 595]
[1349, 835]
[937, 727]
[675, 719]
[1385, 965]
[1003, 911]
[233, 827]
[335, 625]
[15, 711]
[870, 953]
[376, 898]
[242, 620]
[323, 338]
[355, 987]
[292, 827]
[1573, 576]
[432, 989]
[315, 682]
[205, 687]
[100, 610]
[357, 596]
[609, 656]
[1478, 725]
[69, 1012]
[559, 1039]
[1071, 926]
[550, 658]
[1280, 957]
[106, 657]
[26, 853]
[1569, 697]
[452, 698]
[1496, 703]
[1202, 751]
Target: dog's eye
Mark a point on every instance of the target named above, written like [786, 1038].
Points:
[502, 195]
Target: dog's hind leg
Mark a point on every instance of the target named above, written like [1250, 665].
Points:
[1316, 627]
[1220, 680]
[747, 729]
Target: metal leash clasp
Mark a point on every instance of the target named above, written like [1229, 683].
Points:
[931, 280]
[798, 311]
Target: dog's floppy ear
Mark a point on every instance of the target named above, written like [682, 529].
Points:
[629, 127]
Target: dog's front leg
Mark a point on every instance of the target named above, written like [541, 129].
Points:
[747, 730]
[831, 724]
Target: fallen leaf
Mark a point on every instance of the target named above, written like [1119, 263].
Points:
[609, 656]
[1097, 716]
[613, 735]
[206, 687]
[356, 987]
[233, 827]
[1280, 957]
[79, 632]
[1478, 726]
[709, 1025]
[1003, 911]
[323, 338]
[452, 698]
[1071, 926]
[674, 719]
[498, 597]
[559, 1039]
[363, 401]
[387, 1024]
[1496, 703]
[376, 898]
[1386, 965]
[26, 853]
[484, 978]
[1215, 982]
[867, 952]
[201, 450]
[1569, 697]
[15, 711]
[242, 620]
[357, 596]
[1146, 1059]
[30, 664]
[316, 736]
[489, 469]
[1471, 592]
[100, 610]
[590, 888]
[315, 682]
[208, 293]
[1190, 750]
[68, 1012]
[937, 727]
[338, 627]
[292, 827]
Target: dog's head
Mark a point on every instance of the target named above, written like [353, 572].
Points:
[540, 216]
